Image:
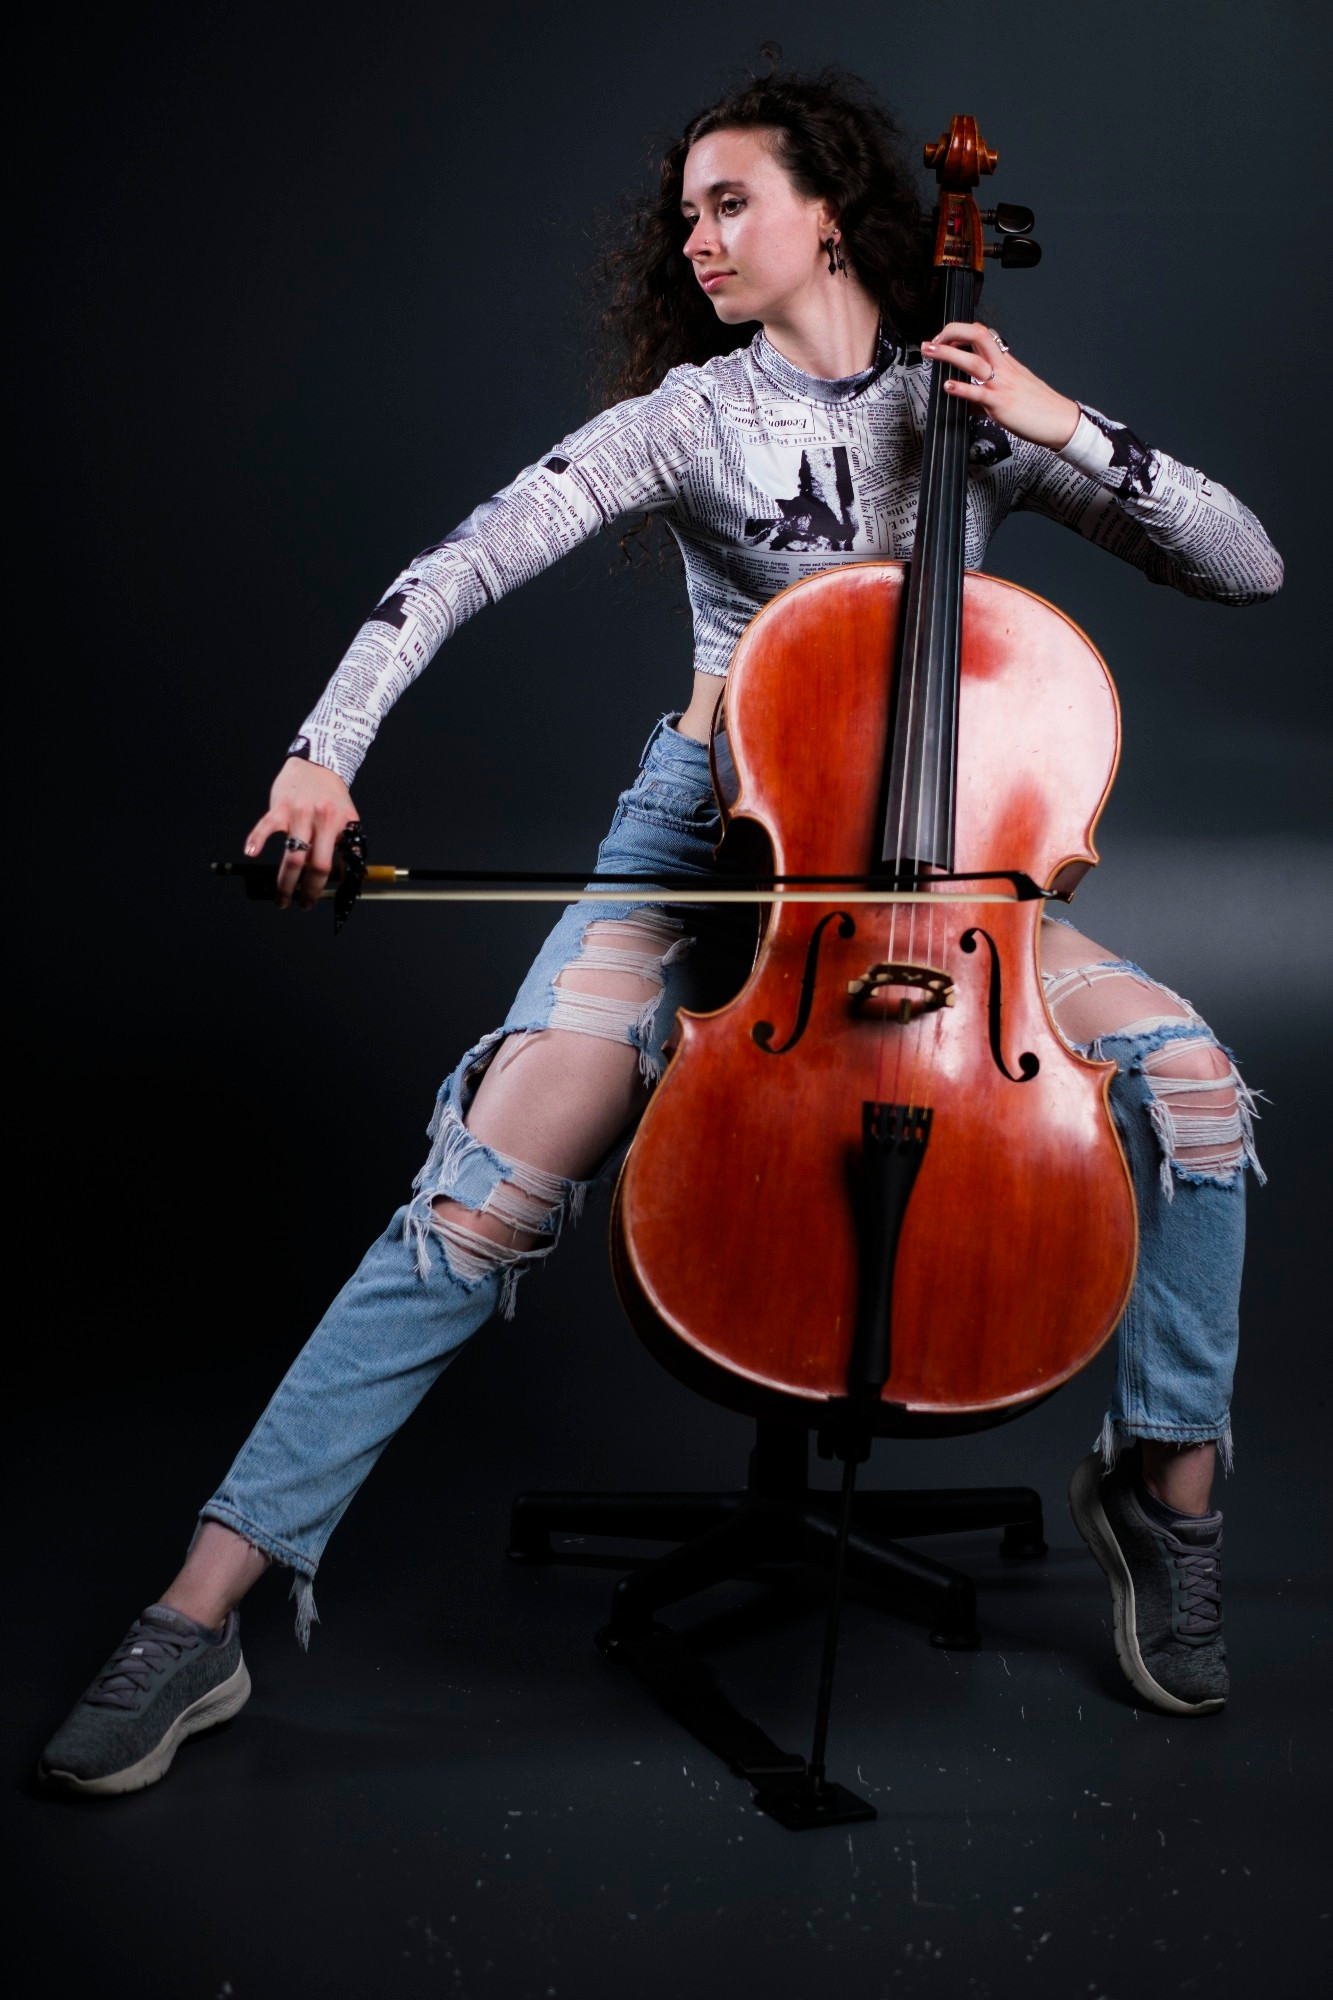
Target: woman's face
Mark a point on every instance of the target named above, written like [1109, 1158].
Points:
[755, 243]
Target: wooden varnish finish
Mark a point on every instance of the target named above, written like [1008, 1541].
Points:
[735, 1209]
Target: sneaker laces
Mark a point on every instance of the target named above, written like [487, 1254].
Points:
[145, 1650]
[1200, 1589]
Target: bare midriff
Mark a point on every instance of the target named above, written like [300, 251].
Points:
[697, 720]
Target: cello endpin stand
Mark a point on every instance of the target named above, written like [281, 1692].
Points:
[811, 1799]
[894, 1139]
[776, 1520]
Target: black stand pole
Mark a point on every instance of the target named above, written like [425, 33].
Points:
[810, 1799]
[894, 1138]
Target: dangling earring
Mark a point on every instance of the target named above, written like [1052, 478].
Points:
[836, 261]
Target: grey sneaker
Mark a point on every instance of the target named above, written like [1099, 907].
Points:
[1166, 1587]
[167, 1679]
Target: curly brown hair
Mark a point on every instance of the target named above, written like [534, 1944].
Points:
[836, 141]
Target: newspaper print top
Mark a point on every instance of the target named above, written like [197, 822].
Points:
[766, 475]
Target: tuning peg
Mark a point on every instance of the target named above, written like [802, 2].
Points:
[1016, 253]
[1009, 219]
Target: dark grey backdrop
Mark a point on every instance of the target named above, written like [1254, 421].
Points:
[299, 286]
[303, 284]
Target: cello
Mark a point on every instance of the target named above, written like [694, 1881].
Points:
[878, 1180]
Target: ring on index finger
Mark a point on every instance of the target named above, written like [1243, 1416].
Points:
[295, 846]
[1001, 344]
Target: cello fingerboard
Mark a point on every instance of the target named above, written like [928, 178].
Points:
[923, 753]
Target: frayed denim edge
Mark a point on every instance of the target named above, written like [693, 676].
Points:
[1115, 1437]
[303, 1573]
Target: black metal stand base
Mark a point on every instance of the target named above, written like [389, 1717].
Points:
[777, 1518]
[813, 1802]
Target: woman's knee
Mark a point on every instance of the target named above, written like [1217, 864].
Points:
[1172, 1065]
[492, 1214]
[1201, 1109]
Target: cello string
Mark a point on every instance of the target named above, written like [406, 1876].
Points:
[952, 516]
[909, 657]
[925, 561]
[912, 657]
[936, 608]
[921, 667]
[961, 305]
[916, 596]
[969, 288]
[943, 532]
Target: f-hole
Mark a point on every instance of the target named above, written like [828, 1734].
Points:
[762, 1032]
[1028, 1064]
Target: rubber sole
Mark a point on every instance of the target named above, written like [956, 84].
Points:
[1089, 1518]
[218, 1705]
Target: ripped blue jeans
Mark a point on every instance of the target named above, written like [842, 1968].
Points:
[427, 1285]
[1188, 1139]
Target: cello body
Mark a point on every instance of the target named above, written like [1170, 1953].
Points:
[737, 1226]
[878, 1179]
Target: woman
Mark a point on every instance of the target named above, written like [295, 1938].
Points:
[771, 454]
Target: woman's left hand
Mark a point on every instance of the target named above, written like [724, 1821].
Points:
[1003, 388]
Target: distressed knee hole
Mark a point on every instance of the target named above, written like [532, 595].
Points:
[509, 1222]
[614, 987]
[1202, 1112]
[515, 1228]
[1090, 1003]
[489, 1213]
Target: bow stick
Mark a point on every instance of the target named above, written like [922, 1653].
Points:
[488, 885]
[357, 878]
[379, 884]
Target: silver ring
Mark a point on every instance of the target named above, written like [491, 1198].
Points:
[295, 846]
[1002, 345]
[986, 380]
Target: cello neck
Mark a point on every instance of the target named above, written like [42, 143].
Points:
[919, 814]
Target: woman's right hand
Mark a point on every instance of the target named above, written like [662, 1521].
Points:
[311, 804]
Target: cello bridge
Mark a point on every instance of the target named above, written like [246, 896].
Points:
[935, 986]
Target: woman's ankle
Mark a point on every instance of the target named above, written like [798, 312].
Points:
[1179, 1475]
[220, 1568]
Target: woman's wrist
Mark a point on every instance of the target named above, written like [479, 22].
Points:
[1068, 419]
[321, 754]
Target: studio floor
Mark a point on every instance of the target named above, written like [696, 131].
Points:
[455, 1794]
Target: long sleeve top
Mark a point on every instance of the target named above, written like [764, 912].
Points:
[765, 475]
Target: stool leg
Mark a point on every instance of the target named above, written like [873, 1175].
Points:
[949, 1511]
[654, 1517]
[890, 1566]
[737, 1546]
